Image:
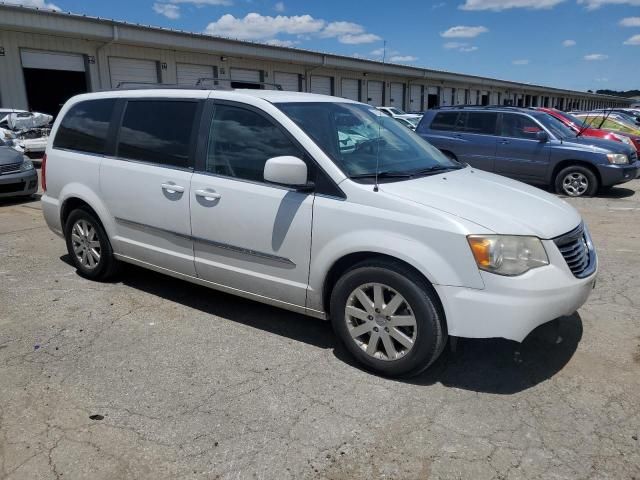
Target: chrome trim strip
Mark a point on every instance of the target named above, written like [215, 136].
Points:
[222, 246]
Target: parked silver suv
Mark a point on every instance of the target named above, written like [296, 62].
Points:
[319, 205]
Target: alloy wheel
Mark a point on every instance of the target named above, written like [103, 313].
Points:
[575, 184]
[85, 243]
[380, 321]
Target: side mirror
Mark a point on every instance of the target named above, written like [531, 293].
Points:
[542, 136]
[288, 171]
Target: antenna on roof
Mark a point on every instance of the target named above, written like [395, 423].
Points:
[384, 56]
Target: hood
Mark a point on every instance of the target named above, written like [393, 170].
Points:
[8, 155]
[497, 203]
[597, 145]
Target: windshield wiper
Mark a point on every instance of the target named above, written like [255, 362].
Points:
[385, 174]
[435, 169]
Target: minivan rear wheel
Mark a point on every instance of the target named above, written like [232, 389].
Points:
[388, 317]
[88, 246]
[576, 181]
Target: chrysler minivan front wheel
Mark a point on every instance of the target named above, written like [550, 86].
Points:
[388, 317]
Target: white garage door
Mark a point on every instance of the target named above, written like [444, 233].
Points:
[460, 92]
[446, 96]
[288, 81]
[495, 98]
[415, 98]
[69, 62]
[396, 95]
[189, 74]
[132, 70]
[473, 97]
[243, 75]
[374, 93]
[350, 89]
[321, 84]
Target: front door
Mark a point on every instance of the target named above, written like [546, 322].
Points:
[146, 187]
[249, 236]
[519, 153]
[476, 139]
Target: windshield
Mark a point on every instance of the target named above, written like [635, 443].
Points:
[555, 126]
[574, 120]
[359, 138]
[600, 121]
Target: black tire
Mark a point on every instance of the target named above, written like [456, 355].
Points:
[579, 189]
[107, 266]
[430, 331]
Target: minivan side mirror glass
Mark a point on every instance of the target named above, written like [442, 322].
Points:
[542, 136]
[286, 170]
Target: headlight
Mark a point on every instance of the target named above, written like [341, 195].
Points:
[27, 164]
[617, 158]
[507, 254]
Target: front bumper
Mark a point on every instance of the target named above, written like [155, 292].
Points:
[616, 174]
[511, 307]
[18, 184]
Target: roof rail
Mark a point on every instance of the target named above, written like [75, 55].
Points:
[216, 81]
[200, 84]
[151, 85]
[477, 107]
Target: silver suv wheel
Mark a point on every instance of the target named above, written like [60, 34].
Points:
[575, 184]
[380, 321]
[86, 247]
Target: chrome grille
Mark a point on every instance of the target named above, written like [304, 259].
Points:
[578, 252]
[10, 168]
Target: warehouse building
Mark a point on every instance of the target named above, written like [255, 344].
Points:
[46, 57]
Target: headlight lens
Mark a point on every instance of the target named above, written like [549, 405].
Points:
[507, 254]
[27, 164]
[617, 158]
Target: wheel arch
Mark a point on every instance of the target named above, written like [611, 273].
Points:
[566, 163]
[75, 196]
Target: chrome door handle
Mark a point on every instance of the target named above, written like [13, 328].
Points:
[208, 195]
[172, 188]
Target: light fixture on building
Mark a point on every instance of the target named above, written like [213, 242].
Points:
[223, 58]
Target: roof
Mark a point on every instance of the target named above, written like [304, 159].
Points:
[201, 42]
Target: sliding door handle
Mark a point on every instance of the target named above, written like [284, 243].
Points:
[208, 195]
[172, 188]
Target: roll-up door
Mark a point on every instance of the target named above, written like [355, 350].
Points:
[350, 89]
[320, 84]
[460, 94]
[132, 70]
[447, 93]
[69, 62]
[244, 75]
[374, 92]
[473, 97]
[288, 81]
[415, 98]
[189, 74]
[396, 95]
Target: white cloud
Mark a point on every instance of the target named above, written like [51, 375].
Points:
[281, 43]
[595, 57]
[34, 3]
[378, 52]
[522, 61]
[595, 4]
[499, 5]
[569, 43]
[604, 79]
[279, 7]
[435, 6]
[202, 3]
[630, 22]
[260, 27]
[464, 32]
[170, 11]
[635, 40]
[403, 58]
[460, 46]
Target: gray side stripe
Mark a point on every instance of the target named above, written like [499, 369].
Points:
[223, 246]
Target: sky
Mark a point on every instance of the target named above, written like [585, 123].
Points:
[574, 44]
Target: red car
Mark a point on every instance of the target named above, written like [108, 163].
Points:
[576, 125]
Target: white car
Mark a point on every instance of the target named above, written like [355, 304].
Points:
[250, 192]
[397, 113]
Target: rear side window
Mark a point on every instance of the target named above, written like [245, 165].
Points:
[157, 131]
[480, 122]
[444, 121]
[519, 126]
[85, 126]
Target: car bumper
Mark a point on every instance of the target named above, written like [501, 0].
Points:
[616, 174]
[18, 184]
[511, 307]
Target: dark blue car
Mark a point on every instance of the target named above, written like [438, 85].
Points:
[530, 146]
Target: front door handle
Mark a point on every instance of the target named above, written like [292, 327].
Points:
[505, 142]
[208, 195]
[172, 188]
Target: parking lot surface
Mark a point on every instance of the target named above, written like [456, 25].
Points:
[151, 377]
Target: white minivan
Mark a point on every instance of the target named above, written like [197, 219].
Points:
[315, 204]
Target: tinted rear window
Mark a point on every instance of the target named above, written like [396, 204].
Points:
[157, 131]
[444, 121]
[480, 122]
[85, 126]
